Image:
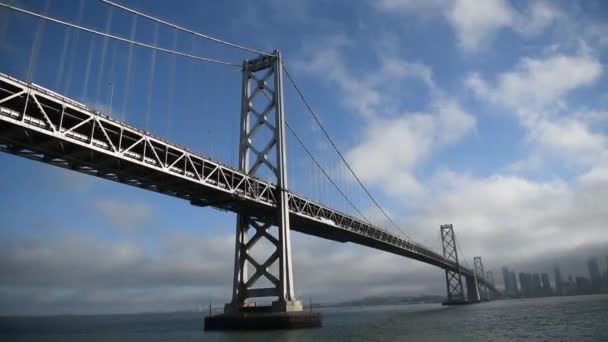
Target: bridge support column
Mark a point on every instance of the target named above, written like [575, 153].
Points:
[490, 278]
[472, 290]
[262, 136]
[453, 278]
[480, 274]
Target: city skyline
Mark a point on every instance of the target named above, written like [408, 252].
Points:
[541, 284]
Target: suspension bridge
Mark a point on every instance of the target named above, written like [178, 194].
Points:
[46, 126]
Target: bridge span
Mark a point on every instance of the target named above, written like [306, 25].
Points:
[42, 125]
[39, 124]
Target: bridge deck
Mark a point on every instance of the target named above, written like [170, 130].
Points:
[39, 124]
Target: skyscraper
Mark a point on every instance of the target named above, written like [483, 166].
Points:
[546, 285]
[606, 275]
[525, 280]
[594, 275]
[559, 282]
[510, 282]
[538, 288]
[507, 280]
[514, 282]
[583, 285]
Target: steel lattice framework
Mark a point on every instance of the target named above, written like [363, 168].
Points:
[490, 278]
[453, 278]
[41, 125]
[483, 286]
[262, 112]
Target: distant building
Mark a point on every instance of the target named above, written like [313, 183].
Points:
[514, 282]
[546, 285]
[537, 288]
[594, 275]
[507, 280]
[527, 284]
[606, 276]
[510, 282]
[583, 285]
[559, 282]
[570, 287]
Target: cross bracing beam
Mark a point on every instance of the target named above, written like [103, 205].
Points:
[453, 279]
[39, 124]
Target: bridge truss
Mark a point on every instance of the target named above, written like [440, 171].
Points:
[41, 125]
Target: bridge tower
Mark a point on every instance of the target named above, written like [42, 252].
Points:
[472, 289]
[490, 279]
[262, 153]
[480, 274]
[453, 279]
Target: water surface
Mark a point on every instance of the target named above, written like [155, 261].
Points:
[582, 318]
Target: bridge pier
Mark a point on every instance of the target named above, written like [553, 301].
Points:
[263, 134]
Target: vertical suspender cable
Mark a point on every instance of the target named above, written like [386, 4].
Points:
[31, 65]
[64, 51]
[4, 24]
[125, 99]
[72, 58]
[100, 74]
[177, 27]
[171, 86]
[151, 80]
[112, 83]
[335, 147]
[87, 72]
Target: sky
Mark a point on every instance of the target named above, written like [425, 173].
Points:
[491, 116]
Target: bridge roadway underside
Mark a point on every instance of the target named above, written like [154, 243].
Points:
[58, 152]
[40, 136]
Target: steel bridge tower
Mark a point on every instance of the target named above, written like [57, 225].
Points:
[490, 278]
[262, 153]
[453, 279]
[484, 293]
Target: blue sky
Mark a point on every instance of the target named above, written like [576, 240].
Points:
[489, 115]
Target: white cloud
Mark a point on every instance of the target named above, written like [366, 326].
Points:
[508, 220]
[476, 22]
[537, 91]
[128, 216]
[395, 140]
[391, 148]
[327, 61]
[399, 69]
[537, 83]
[453, 121]
[78, 274]
[571, 138]
[512, 220]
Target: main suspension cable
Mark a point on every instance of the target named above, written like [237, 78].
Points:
[325, 172]
[321, 167]
[181, 28]
[158, 48]
[335, 147]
